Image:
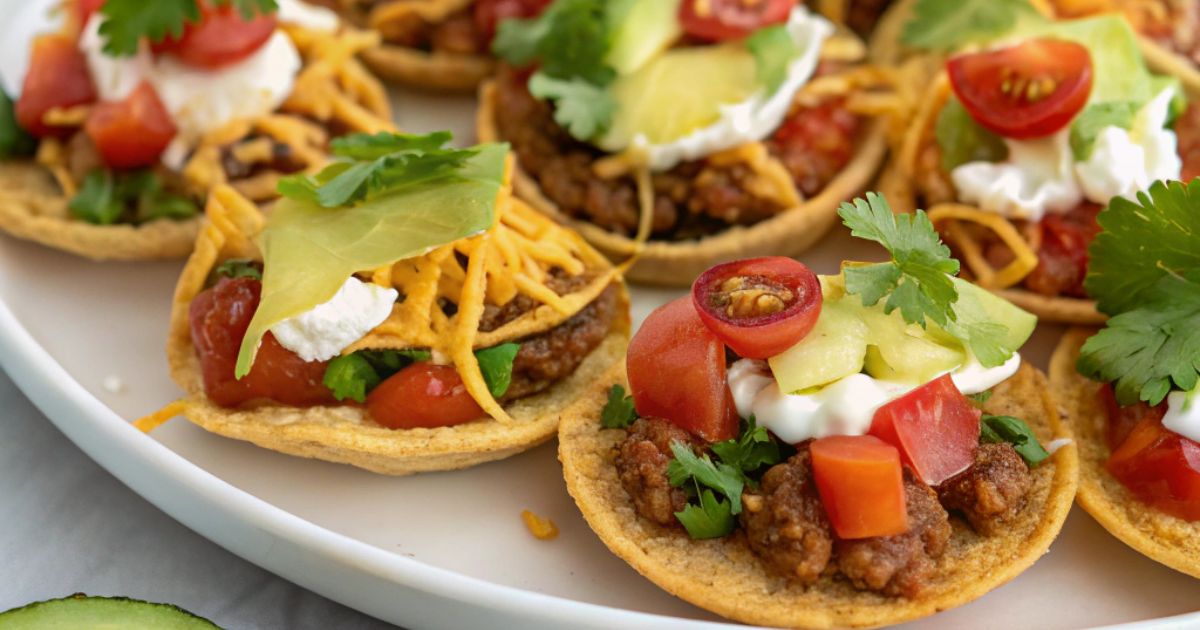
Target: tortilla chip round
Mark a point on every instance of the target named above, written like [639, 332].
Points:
[34, 209]
[726, 577]
[1161, 537]
[672, 263]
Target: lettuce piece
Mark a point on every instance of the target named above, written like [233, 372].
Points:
[963, 140]
[1120, 72]
[309, 251]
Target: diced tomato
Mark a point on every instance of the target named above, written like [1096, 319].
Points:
[719, 20]
[489, 13]
[815, 142]
[1161, 468]
[1063, 254]
[676, 371]
[760, 306]
[423, 395]
[1029, 90]
[1122, 419]
[85, 8]
[935, 428]
[861, 484]
[219, 317]
[131, 133]
[221, 37]
[58, 76]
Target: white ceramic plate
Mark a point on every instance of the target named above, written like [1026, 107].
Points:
[438, 550]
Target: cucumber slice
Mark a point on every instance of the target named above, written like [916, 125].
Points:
[80, 612]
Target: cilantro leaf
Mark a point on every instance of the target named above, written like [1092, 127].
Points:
[570, 39]
[1151, 349]
[720, 477]
[162, 205]
[980, 399]
[1142, 242]
[127, 22]
[984, 339]
[963, 140]
[14, 140]
[750, 451]
[773, 50]
[496, 363]
[351, 376]
[96, 201]
[618, 412]
[997, 429]
[367, 166]
[240, 268]
[1093, 119]
[917, 280]
[249, 9]
[713, 518]
[582, 108]
[945, 25]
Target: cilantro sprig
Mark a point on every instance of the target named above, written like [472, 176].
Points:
[618, 412]
[1144, 272]
[136, 197]
[354, 375]
[998, 429]
[366, 166]
[127, 22]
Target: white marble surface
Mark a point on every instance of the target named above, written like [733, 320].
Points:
[67, 526]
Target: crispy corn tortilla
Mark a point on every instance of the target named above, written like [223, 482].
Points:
[678, 263]
[346, 434]
[725, 577]
[437, 71]
[34, 209]
[1166, 539]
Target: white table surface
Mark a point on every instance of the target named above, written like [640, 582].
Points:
[67, 526]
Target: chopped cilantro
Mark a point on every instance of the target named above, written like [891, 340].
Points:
[351, 376]
[946, 25]
[1093, 119]
[963, 140]
[618, 412]
[127, 22]
[773, 50]
[239, 268]
[96, 201]
[980, 399]
[570, 39]
[712, 518]
[366, 166]
[997, 429]
[583, 109]
[750, 451]
[496, 363]
[917, 280]
[720, 477]
[106, 198]
[14, 140]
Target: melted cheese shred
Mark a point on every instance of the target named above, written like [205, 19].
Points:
[953, 219]
[160, 417]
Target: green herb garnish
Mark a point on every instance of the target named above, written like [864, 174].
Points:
[127, 22]
[963, 140]
[107, 197]
[496, 364]
[750, 451]
[618, 412]
[354, 375]
[14, 140]
[239, 268]
[997, 429]
[711, 518]
[773, 50]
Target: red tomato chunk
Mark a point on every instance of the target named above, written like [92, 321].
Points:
[935, 428]
[861, 484]
[1160, 467]
[58, 76]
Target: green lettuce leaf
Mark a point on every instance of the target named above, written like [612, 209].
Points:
[947, 25]
[496, 364]
[1093, 119]
[773, 50]
[963, 140]
[309, 251]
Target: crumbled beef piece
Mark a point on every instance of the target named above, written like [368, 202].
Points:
[642, 461]
[992, 491]
[785, 521]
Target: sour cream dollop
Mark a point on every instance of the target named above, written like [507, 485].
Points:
[1183, 414]
[843, 407]
[1041, 175]
[198, 100]
[325, 331]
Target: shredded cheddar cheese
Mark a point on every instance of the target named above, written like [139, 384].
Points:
[541, 528]
[160, 417]
[986, 276]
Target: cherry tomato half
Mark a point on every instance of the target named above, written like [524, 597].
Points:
[131, 133]
[489, 13]
[935, 428]
[861, 484]
[760, 306]
[676, 371]
[423, 395]
[1161, 468]
[218, 318]
[58, 76]
[1029, 90]
[221, 37]
[719, 20]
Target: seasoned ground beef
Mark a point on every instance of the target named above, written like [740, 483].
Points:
[557, 280]
[642, 461]
[900, 565]
[785, 521]
[553, 355]
[691, 200]
[992, 491]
